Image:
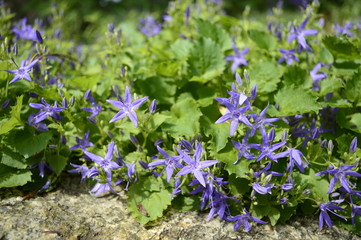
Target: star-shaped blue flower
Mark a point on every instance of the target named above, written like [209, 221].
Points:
[127, 107]
[23, 71]
[195, 165]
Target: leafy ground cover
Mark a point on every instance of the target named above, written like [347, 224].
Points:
[252, 120]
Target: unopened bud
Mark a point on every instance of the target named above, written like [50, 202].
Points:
[39, 37]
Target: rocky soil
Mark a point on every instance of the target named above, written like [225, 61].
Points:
[70, 212]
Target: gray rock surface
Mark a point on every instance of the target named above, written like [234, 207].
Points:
[70, 212]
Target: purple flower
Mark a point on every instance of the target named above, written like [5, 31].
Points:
[24, 31]
[194, 164]
[340, 176]
[149, 26]
[82, 143]
[187, 13]
[41, 165]
[168, 161]
[212, 187]
[355, 210]
[82, 169]
[46, 110]
[5, 103]
[23, 71]
[266, 172]
[296, 157]
[238, 58]
[219, 205]
[153, 106]
[343, 29]
[308, 133]
[299, 33]
[100, 188]
[353, 145]
[176, 190]
[276, 30]
[262, 189]
[106, 163]
[324, 217]
[316, 77]
[42, 127]
[283, 200]
[127, 107]
[236, 115]
[244, 220]
[288, 186]
[260, 121]
[288, 56]
[95, 108]
[267, 150]
[130, 173]
[243, 148]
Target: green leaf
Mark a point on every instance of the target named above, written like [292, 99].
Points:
[6, 125]
[156, 120]
[266, 75]
[318, 184]
[181, 48]
[85, 82]
[218, 132]
[187, 203]
[206, 60]
[148, 198]
[15, 120]
[184, 119]
[263, 40]
[326, 56]
[10, 177]
[214, 32]
[297, 76]
[13, 159]
[273, 215]
[341, 47]
[56, 162]
[229, 155]
[293, 101]
[353, 88]
[168, 68]
[237, 185]
[159, 88]
[27, 144]
[355, 122]
[330, 85]
[16, 110]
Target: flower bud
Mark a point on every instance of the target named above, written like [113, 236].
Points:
[39, 37]
[5, 104]
[353, 145]
[153, 106]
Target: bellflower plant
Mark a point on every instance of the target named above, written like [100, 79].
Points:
[288, 56]
[105, 163]
[168, 161]
[328, 207]
[24, 31]
[237, 59]
[195, 164]
[127, 107]
[46, 110]
[149, 26]
[299, 33]
[243, 220]
[340, 176]
[23, 71]
[276, 146]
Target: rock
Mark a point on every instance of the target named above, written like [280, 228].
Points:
[70, 212]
